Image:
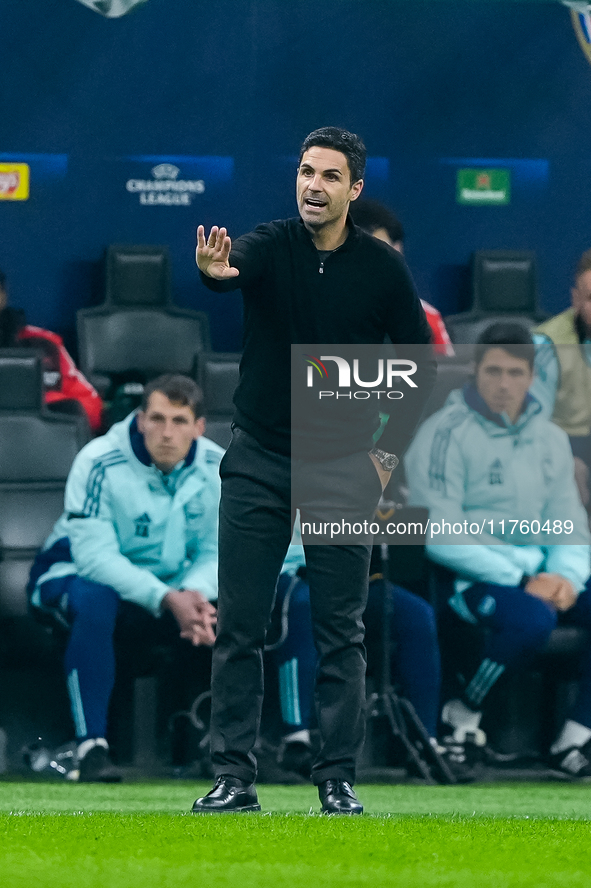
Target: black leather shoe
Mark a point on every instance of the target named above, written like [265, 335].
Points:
[229, 796]
[337, 797]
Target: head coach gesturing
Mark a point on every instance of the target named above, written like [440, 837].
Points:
[313, 279]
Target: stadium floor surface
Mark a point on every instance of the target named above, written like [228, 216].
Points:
[55, 835]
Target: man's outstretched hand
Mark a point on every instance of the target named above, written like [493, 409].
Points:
[212, 255]
[195, 615]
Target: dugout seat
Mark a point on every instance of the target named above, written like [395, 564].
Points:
[218, 374]
[137, 274]
[451, 375]
[137, 333]
[504, 288]
[37, 448]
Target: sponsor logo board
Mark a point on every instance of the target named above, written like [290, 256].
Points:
[14, 181]
[490, 187]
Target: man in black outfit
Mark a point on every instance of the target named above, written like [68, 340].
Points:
[313, 279]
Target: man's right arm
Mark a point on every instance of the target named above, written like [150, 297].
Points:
[225, 265]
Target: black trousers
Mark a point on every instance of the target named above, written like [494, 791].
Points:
[256, 520]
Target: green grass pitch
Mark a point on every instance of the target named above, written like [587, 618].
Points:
[54, 835]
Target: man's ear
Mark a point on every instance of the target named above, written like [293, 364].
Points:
[141, 418]
[199, 427]
[356, 189]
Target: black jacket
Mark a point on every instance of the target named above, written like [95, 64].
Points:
[361, 293]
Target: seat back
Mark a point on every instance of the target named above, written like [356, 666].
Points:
[139, 342]
[137, 334]
[21, 380]
[218, 374]
[37, 449]
[450, 375]
[505, 282]
[465, 329]
[28, 513]
[137, 274]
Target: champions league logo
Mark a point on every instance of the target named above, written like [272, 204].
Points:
[165, 188]
[112, 8]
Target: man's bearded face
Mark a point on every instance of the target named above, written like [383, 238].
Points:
[581, 299]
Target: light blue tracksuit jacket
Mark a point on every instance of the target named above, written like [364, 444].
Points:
[128, 526]
[468, 463]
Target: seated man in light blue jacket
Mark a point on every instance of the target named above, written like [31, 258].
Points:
[507, 520]
[140, 526]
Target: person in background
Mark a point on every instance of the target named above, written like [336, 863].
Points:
[64, 386]
[139, 530]
[563, 371]
[515, 537]
[381, 222]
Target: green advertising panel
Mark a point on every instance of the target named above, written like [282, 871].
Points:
[479, 187]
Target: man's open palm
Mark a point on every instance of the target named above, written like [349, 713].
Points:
[212, 254]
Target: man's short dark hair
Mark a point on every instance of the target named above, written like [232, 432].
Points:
[583, 265]
[371, 214]
[178, 389]
[339, 140]
[515, 339]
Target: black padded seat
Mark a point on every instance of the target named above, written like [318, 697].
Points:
[450, 376]
[505, 282]
[21, 378]
[137, 274]
[467, 328]
[220, 431]
[504, 288]
[137, 333]
[140, 342]
[218, 374]
[37, 448]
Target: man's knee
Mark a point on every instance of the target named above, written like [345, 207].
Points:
[94, 603]
[542, 622]
[530, 619]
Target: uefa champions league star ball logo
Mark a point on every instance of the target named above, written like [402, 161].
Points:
[112, 8]
[165, 188]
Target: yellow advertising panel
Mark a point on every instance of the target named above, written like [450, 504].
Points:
[14, 181]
